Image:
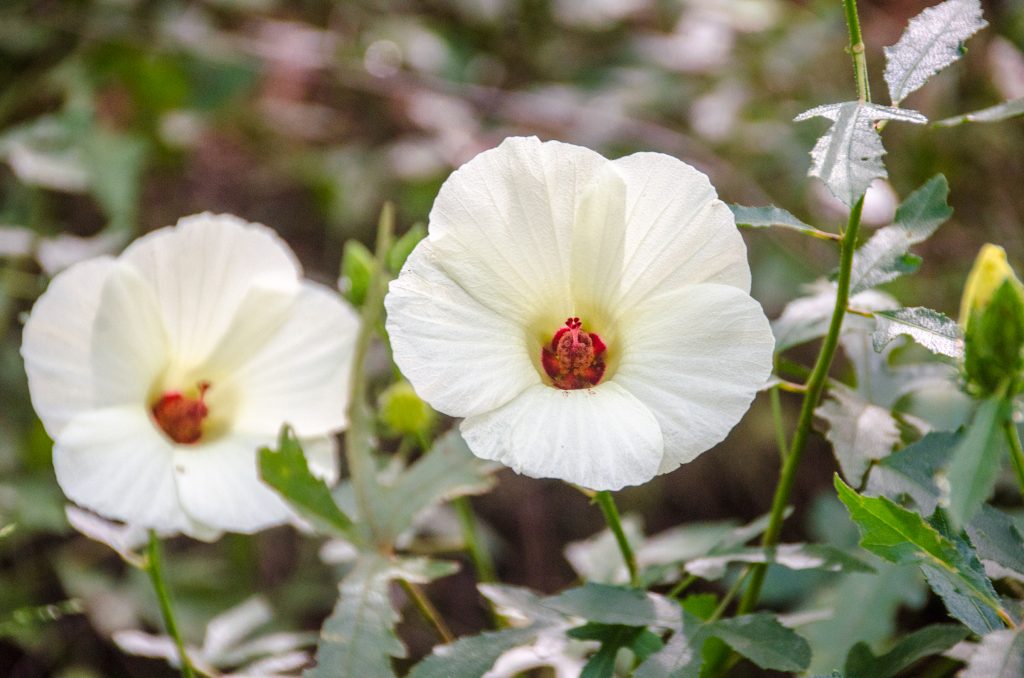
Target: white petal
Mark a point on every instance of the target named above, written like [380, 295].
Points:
[462, 357]
[129, 344]
[502, 224]
[219, 485]
[601, 438]
[114, 462]
[598, 241]
[56, 340]
[201, 271]
[677, 231]
[696, 358]
[322, 457]
[300, 374]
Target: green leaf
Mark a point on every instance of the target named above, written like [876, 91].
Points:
[616, 605]
[996, 538]
[849, 156]
[287, 472]
[356, 270]
[763, 640]
[976, 460]
[446, 471]
[932, 41]
[358, 638]
[935, 331]
[766, 217]
[948, 562]
[808, 317]
[997, 113]
[404, 246]
[886, 255]
[924, 210]
[912, 471]
[614, 637]
[859, 431]
[999, 655]
[682, 655]
[115, 163]
[792, 556]
[473, 656]
[862, 662]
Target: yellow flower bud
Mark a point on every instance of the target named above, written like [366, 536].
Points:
[989, 272]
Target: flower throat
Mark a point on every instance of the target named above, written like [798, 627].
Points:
[181, 416]
[575, 358]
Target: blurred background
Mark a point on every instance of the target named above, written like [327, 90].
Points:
[119, 116]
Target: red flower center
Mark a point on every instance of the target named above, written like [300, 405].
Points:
[181, 416]
[574, 358]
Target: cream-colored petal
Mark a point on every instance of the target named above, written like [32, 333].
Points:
[201, 271]
[502, 225]
[219, 485]
[460, 356]
[56, 344]
[598, 243]
[129, 346]
[601, 438]
[696, 357]
[322, 457]
[113, 461]
[300, 373]
[677, 231]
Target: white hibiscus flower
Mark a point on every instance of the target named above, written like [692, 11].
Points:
[160, 373]
[590, 319]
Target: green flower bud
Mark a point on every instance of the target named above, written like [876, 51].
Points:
[992, 312]
[402, 411]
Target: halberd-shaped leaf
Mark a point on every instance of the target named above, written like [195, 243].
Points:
[766, 217]
[862, 662]
[912, 471]
[997, 113]
[936, 331]
[931, 42]
[997, 538]
[849, 156]
[858, 430]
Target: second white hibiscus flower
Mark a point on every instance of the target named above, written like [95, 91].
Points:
[591, 319]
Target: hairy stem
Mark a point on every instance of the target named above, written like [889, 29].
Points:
[611, 516]
[815, 386]
[155, 569]
[860, 62]
[359, 437]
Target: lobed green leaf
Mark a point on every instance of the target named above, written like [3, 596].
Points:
[861, 662]
[935, 331]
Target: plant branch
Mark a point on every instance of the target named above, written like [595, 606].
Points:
[860, 62]
[815, 386]
[1016, 452]
[611, 516]
[155, 569]
[427, 610]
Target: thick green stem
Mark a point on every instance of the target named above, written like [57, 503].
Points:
[359, 437]
[860, 62]
[155, 568]
[611, 516]
[1016, 453]
[780, 427]
[482, 563]
[815, 386]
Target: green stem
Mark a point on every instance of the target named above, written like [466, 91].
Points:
[482, 563]
[1016, 452]
[730, 594]
[611, 516]
[359, 437]
[780, 427]
[681, 586]
[860, 62]
[427, 610]
[154, 566]
[815, 386]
